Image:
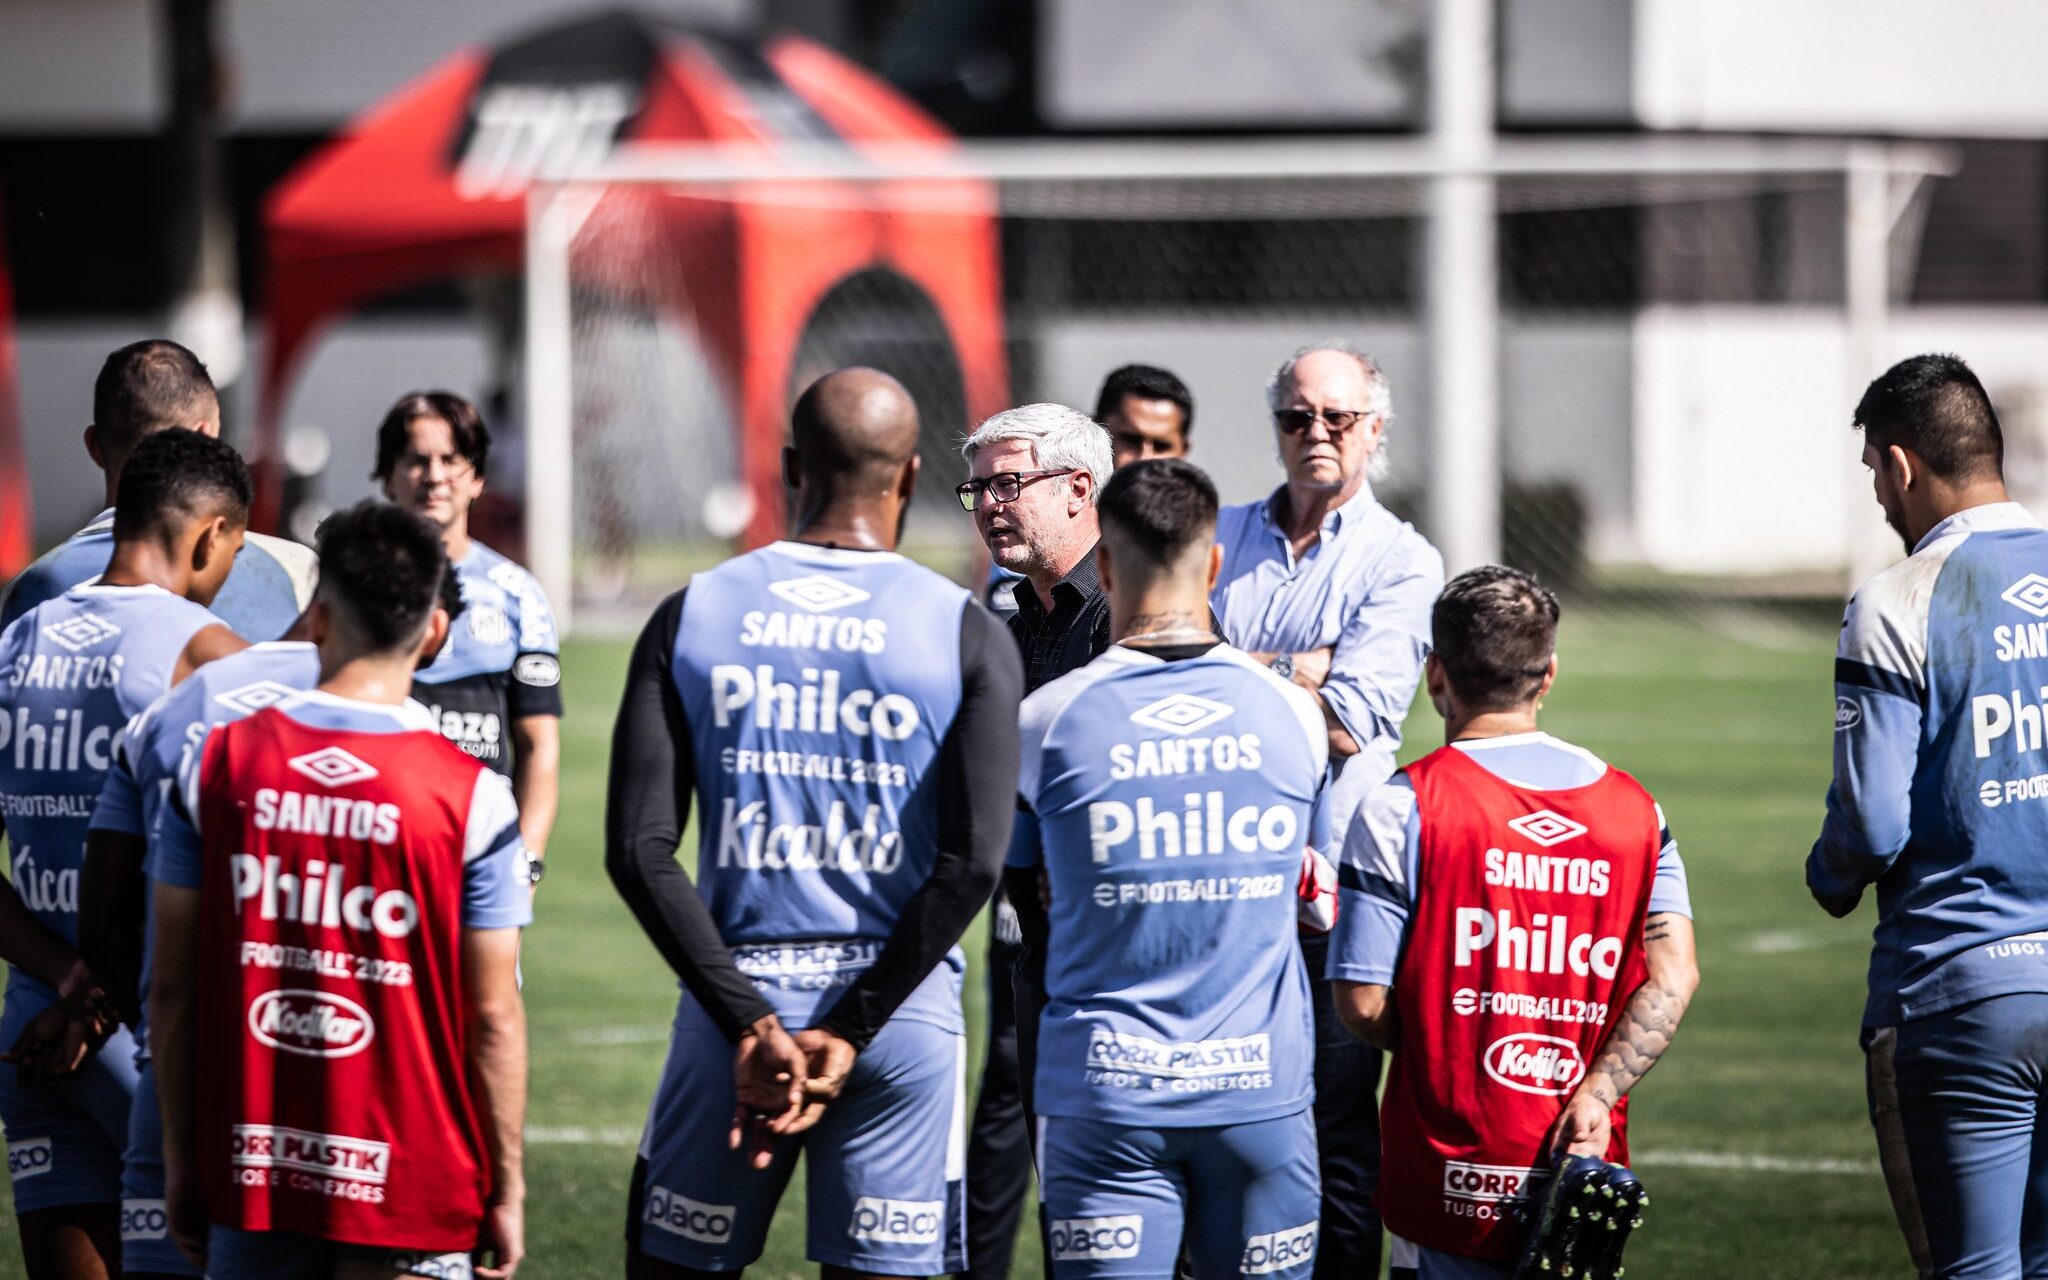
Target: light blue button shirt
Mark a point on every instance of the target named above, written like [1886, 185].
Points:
[1365, 588]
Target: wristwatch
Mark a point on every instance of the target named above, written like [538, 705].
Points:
[536, 867]
[1283, 665]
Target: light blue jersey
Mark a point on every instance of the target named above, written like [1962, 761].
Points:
[1172, 800]
[1940, 796]
[163, 737]
[819, 685]
[159, 742]
[271, 582]
[73, 670]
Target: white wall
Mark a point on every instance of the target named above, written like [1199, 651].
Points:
[83, 65]
[1171, 63]
[1968, 68]
[1743, 459]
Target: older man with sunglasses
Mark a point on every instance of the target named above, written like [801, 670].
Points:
[1333, 591]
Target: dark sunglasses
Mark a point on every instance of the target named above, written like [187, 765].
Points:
[1296, 421]
[1004, 486]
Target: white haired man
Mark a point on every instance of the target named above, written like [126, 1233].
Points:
[1333, 591]
[1036, 472]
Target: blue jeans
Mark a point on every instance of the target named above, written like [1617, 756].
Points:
[1956, 1098]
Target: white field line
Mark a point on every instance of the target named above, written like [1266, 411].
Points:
[1778, 942]
[1752, 1163]
[576, 1135]
[612, 1037]
[619, 1136]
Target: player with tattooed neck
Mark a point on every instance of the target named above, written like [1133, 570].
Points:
[1546, 968]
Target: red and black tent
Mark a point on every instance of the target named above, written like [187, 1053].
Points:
[432, 183]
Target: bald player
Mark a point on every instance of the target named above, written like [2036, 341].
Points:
[848, 722]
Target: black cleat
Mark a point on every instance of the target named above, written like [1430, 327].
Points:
[1602, 1257]
[1580, 1224]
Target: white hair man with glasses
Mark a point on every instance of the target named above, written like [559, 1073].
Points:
[1035, 474]
[1333, 591]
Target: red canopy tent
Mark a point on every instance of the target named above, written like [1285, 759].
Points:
[432, 184]
[15, 535]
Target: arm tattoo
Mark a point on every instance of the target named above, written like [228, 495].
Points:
[1648, 1022]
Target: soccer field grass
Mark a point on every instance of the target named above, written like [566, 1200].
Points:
[1751, 1135]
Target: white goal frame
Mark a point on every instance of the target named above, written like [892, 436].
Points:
[1881, 181]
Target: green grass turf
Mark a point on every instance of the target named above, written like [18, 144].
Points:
[1733, 739]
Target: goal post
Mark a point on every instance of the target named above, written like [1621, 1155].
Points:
[676, 296]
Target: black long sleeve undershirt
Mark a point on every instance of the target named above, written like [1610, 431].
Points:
[977, 789]
[647, 807]
[652, 779]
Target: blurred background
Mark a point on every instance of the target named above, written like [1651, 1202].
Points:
[1649, 349]
[1628, 265]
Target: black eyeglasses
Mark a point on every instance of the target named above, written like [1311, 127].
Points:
[1004, 486]
[1296, 421]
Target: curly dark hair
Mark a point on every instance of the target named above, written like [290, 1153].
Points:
[174, 477]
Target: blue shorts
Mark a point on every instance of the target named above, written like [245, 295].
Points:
[1962, 1133]
[64, 1137]
[1118, 1199]
[146, 1244]
[1406, 1261]
[884, 1167]
[233, 1254]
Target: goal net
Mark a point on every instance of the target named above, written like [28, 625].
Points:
[1672, 334]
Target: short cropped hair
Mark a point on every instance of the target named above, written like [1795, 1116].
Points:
[147, 387]
[1495, 631]
[449, 598]
[1160, 509]
[384, 567]
[465, 424]
[1146, 382]
[175, 477]
[1062, 439]
[1934, 406]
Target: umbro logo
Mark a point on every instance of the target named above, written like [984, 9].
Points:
[251, 698]
[2029, 593]
[818, 593]
[82, 631]
[332, 767]
[1547, 828]
[1181, 713]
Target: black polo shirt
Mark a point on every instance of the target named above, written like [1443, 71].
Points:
[1070, 635]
